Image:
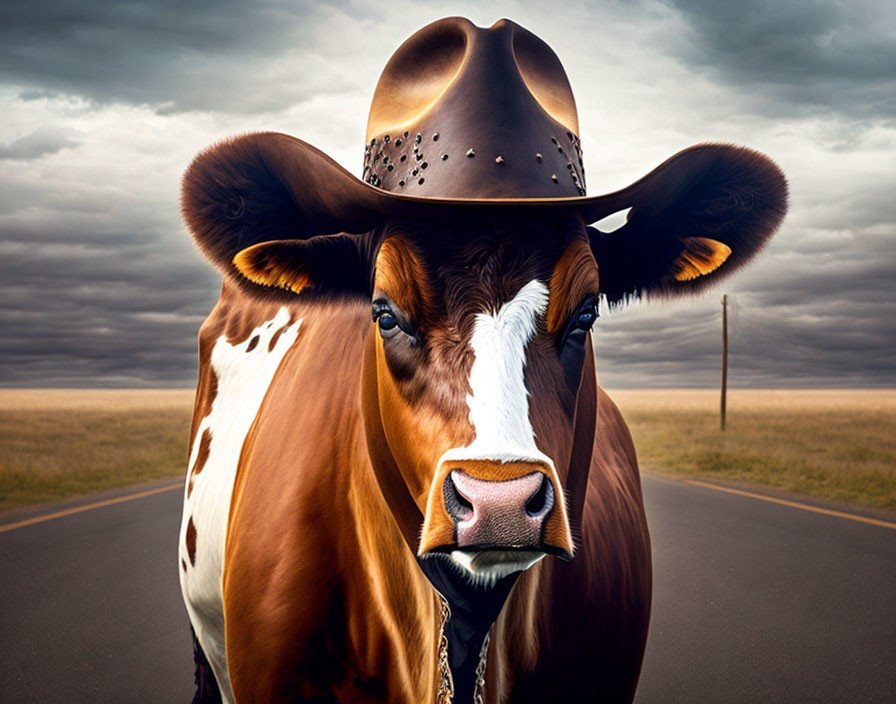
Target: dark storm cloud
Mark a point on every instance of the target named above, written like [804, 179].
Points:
[107, 102]
[796, 318]
[93, 315]
[801, 56]
[99, 286]
[208, 54]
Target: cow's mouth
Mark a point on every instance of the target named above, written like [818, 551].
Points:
[486, 567]
[482, 566]
[495, 551]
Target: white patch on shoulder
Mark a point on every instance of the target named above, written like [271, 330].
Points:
[243, 376]
[499, 402]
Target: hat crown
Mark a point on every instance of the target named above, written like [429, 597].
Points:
[467, 112]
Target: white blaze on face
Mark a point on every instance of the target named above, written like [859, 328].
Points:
[243, 376]
[499, 399]
[499, 411]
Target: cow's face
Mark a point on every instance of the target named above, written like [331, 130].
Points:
[481, 337]
[478, 385]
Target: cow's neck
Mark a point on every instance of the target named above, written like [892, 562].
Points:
[470, 614]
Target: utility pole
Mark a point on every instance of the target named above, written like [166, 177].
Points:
[724, 357]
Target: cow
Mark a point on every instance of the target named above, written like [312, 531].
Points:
[405, 483]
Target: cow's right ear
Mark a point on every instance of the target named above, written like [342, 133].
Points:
[332, 264]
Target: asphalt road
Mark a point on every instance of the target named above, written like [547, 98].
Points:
[753, 602]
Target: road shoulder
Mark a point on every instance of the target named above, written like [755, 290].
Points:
[776, 493]
[26, 513]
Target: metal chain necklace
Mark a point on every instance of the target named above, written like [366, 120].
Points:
[445, 693]
[479, 688]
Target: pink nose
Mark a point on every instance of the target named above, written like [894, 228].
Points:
[508, 513]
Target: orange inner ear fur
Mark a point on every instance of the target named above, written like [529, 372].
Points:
[701, 256]
[574, 277]
[401, 274]
[273, 264]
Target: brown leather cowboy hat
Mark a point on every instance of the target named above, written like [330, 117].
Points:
[466, 118]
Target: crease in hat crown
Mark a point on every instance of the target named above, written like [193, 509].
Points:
[462, 111]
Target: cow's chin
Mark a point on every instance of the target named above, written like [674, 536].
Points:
[484, 568]
[469, 571]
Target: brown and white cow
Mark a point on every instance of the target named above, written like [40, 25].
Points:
[405, 483]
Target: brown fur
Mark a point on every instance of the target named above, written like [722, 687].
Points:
[206, 391]
[323, 594]
[401, 274]
[323, 513]
[265, 264]
[574, 278]
[205, 443]
[367, 618]
[276, 336]
[191, 541]
[701, 256]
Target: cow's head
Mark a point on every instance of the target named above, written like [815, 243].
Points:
[478, 356]
[479, 387]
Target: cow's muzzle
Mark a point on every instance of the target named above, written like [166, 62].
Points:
[488, 505]
[509, 512]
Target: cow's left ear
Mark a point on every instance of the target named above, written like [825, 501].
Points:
[693, 220]
[327, 264]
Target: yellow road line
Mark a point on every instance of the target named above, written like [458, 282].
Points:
[795, 504]
[87, 507]
[705, 485]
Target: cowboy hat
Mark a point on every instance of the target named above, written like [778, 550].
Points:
[466, 118]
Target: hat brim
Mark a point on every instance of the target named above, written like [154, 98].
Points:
[271, 186]
[241, 175]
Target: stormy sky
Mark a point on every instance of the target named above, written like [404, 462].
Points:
[104, 104]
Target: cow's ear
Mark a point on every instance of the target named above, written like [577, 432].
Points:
[267, 186]
[333, 264]
[693, 220]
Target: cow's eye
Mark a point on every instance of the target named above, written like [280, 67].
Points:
[386, 319]
[586, 316]
[572, 344]
[582, 320]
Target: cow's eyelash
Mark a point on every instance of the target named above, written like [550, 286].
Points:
[379, 307]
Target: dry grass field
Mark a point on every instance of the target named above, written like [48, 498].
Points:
[57, 443]
[834, 444]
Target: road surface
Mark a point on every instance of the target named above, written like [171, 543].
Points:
[754, 602]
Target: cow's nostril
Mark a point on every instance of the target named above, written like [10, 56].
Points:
[542, 500]
[457, 505]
